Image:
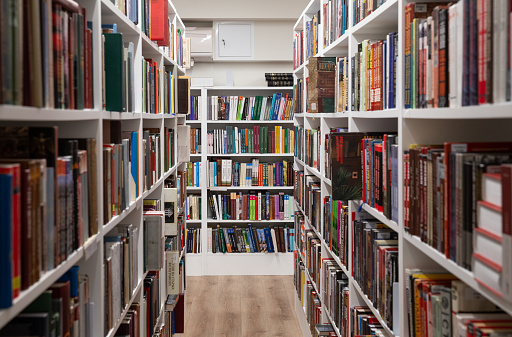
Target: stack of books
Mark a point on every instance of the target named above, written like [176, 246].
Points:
[279, 79]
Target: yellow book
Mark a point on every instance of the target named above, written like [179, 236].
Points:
[172, 94]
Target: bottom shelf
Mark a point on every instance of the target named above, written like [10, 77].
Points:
[301, 317]
[239, 264]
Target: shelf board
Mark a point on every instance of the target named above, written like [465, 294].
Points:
[327, 115]
[299, 72]
[193, 222]
[152, 116]
[301, 316]
[338, 47]
[244, 188]
[192, 121]
[379, 216]
[193, 189]
[113, 331]
[301, 115]
[336, 331]
[298, 161]
[181, 115]
[111, 14]
[249, 254]
[372, 308]
[248, 88]
[462, 274]
[388, 113]
[169, 116]
[299, 208]
[46, 280]
[114, 115]
[251, 122]
[153, 188]
[248, 221]
[118, 218]
[314, 171]
[26, 113]
[252, 155]
[335, 258]
[382, 21]
[486, 111]
[149, 47]
[327, 181]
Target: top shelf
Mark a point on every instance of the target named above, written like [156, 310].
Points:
[383, 21]
[242, 88]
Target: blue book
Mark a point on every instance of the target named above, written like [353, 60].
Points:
[214, 173]
[112, 26]
[6, 193]
[197, 174]
[72, 274]
[343, 16]
[276, 106]
[134, 13]
[251, 239]
[391, 83]
[291, 231]
[268, 238]
[134, 162]
[225, 207]
[271, 113]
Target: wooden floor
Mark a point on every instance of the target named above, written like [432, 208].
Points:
[236, 306]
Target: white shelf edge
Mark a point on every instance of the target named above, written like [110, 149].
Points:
[461, 273]
[374, 16]
[243, 188]
[249, 221]
[247, 254]
[46, 280]
[153, 187]
[372, 308]
[115, 115]
[485, 111]
[118, 218]
[286, 121]
[252, 155]
[248, 87]
[379, 216]
[335, 328]
[386, 113]
[113, 331]
[27, 113]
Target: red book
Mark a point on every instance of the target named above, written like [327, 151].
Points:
[244, 207]
[62, 290]
[88, 95]
[158, 21]
[485, 24]
[179, 314]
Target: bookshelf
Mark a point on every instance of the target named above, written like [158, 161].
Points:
[478, 123]
[208, 263]
[95, 124]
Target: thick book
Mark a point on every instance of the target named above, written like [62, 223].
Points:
[322, 84]
[113, 68]
[183, 95]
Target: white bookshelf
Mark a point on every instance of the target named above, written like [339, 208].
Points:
[205, 263]
[88, 123]
[490, 122]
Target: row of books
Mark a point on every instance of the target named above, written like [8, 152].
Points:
[312, 201]
[335, 20]
[64, 309]
[335, 295]
[195, 141]
[48, 63]
[278, 106]
[279, 80]
[193, 209]
[154, 240]
[298, 145]
[298, 187]
[374, 74]
[452, 173]
[128, 8]
[193, 240]
[312, 33]
[365, 323]
[375, 266]
[452, 307]
[256, 140]
[151, 74]
[49, 206]
[196, 108]
[194, 174]
[310, 299]
[251, 206]
[250, 240]
[364, 8]
[335, 231]
[456, 54]
[225, 172]
[121, 270]
[342, 83]
[120, 173]
[312, 143]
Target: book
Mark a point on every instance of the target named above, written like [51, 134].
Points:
[321, 89]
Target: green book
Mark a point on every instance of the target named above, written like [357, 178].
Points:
[246, 240]
[113, 52]
[264, 139]
[259, 99]
[222, 241]
[239, 110]
[286, 141]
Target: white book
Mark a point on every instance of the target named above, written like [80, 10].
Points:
[243, 167]
[216, 207]
[200, 173]
[237, 207]
[210, 232]
[229, 171]
[172, 272]
[263, 105]
[274, 241]
[171, 211]
[219, 202]
[231, 108]
[499, 46]
[453, 14]
[285, 239]
[237, 145]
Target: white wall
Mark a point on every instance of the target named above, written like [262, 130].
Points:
[239, 9]
[244, 73]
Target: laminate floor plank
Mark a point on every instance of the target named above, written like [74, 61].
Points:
[233, 306]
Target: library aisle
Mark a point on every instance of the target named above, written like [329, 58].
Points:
[240, 306]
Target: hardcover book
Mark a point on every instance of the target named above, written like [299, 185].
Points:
[322, 84]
